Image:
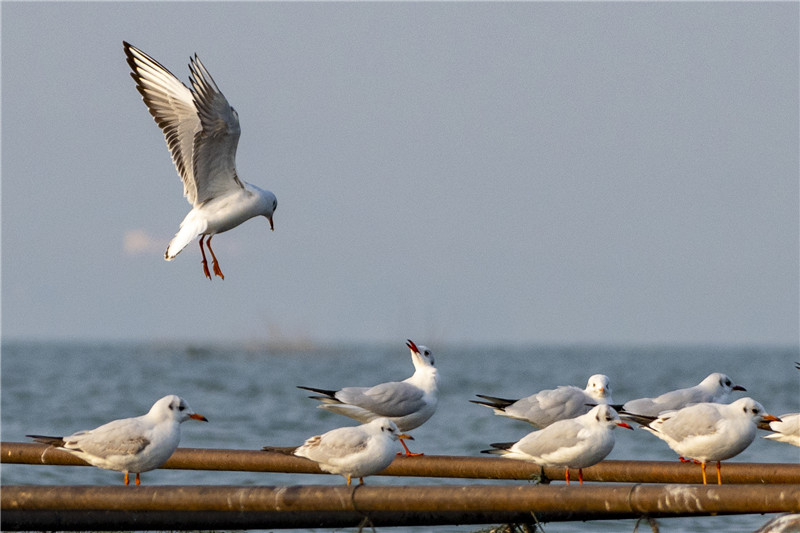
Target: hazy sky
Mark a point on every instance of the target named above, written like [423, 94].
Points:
[464, 172]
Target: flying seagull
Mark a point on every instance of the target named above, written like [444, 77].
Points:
[202, 132]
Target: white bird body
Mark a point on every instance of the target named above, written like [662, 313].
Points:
[218, 215]
[408, 403]
[710, 431]
[202, 133]
[715, 388]
[138, 444]
[548, 406]
[570, 443]
[358, 451]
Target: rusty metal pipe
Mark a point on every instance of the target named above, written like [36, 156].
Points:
[432, 466]
[229, 507]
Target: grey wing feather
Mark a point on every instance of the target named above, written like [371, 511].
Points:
[172, 106]
[387, 399]
[699, 419]
[106, 440]
[562, 434]
[214, 154]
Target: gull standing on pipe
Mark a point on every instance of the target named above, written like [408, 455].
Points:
[706, 432]
[572, 443]
[136, 445]
[408, 403]
[714, 388]
[202, 133]
[354, 451]
[548, 406]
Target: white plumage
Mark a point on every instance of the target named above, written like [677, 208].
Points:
[550, 405]
[710, 431]
[202, 133]
[714, 388]
[358, 451]
[572, 443]
[136, 445]
[408, 403]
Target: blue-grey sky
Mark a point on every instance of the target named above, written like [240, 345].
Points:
[455, 172]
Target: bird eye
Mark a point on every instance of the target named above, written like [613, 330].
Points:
[181, 407]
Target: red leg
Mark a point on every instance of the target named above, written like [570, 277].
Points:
[566, 475]
[126, 478]
[138, 481]
[703, 468]
[205, 263]
[580, 475]
[217, 271]
[408, 452]
[719, 474]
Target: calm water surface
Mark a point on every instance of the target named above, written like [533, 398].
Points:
[248, 393]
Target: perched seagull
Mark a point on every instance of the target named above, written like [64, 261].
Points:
[548, 406]
[785, 430]
[572, 443]
[137, 444]
[715, 388]
[202, 132]
[358, 451]
[709, 431]
[408, 403]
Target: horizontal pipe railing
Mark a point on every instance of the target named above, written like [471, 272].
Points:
[230, 507]
[433, 466]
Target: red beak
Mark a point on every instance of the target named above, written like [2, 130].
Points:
[412, 346]
[624, 425]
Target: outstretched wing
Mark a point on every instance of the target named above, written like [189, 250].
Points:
[200, 127]
[214, 156]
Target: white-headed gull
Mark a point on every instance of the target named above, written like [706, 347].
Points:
[548, 406]
[202, 133]
[136, 445]
[572, 443]
[715, 388]
[408, 403]
[358, 451]
[709, 431]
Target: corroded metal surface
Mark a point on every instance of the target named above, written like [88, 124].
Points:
[232, 507]
[434, 466]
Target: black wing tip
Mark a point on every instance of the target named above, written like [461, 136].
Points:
[488, 404]
[494, 401]
[326, 392]
[642, 420]
[498, 447]
[47, 439]
[283, 450]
